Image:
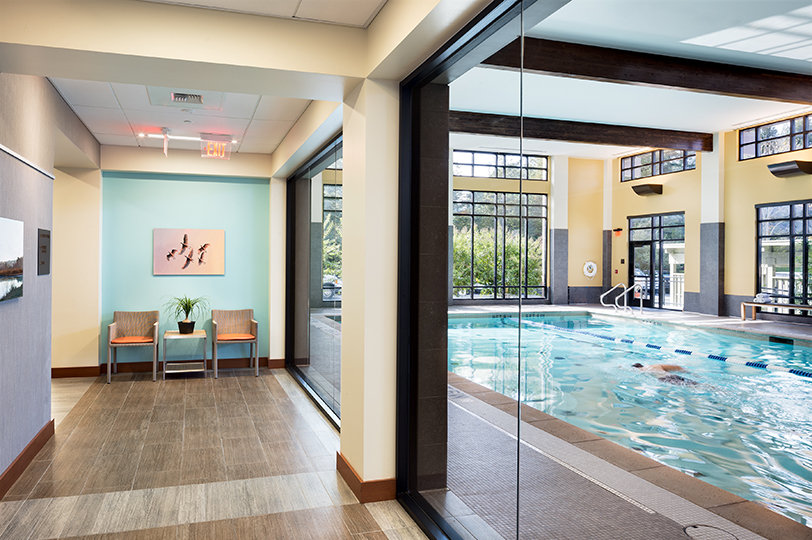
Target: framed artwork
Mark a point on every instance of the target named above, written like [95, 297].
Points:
[178, 252]
[11, 259]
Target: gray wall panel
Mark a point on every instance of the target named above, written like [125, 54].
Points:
[25, 323]
[585, 295]
[607, 260]
[712, 268]
[559, 266]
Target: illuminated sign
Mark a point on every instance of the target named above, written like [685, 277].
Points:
[215, 149]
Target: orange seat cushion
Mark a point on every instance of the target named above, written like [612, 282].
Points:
[131, 339]
[234, 337]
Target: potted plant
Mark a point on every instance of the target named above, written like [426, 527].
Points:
[183, 305]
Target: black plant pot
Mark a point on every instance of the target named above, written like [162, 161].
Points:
[186, 327]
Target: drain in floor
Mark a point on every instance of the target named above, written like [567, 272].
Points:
[708, 532]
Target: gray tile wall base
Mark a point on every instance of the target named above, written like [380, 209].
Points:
[646, 494]
[712, 268]
[607, 260]
[559, 266]
[585, 295]
[691, 303]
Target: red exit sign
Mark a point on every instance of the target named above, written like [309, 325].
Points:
[215, 149]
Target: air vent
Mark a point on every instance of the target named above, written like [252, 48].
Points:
[178, 97]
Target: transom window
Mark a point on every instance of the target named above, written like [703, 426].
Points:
[655, 163]
[785, 251]
[775, 138]
[496, 165]
[491, 229]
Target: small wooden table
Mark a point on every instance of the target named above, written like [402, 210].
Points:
[185, 366]
[755, 305]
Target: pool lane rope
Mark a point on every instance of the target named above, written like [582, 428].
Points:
[685, 352]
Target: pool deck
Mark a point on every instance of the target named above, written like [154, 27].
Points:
[678, 496]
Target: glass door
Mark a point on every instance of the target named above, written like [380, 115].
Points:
[657, 257]
[643, 271]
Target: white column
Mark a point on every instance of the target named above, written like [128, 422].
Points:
[711, 234]
[368, 334]
[559, 233]
[713, 182]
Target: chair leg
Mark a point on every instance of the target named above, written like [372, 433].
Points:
[109, 354]
[115, 360]
[214, 356]
[155, 363]
[255, 352]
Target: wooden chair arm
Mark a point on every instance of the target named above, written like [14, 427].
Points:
[254, 328]
[213, 330]
[155, 331]
[112, 332]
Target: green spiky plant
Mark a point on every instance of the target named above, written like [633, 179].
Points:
[186, 306]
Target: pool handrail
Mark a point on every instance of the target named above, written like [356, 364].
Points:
[635, 286]
[610, 290]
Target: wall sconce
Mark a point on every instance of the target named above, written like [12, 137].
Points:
[617, 231]
[648, 189]
[790, 168]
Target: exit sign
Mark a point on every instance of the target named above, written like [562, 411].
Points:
[215, 149]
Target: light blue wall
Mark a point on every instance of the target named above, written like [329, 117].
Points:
[133, 204]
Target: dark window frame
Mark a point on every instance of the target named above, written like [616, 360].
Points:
[805, 237]
[501, 165]
[655, 162]
[753, 144]
[501, 210]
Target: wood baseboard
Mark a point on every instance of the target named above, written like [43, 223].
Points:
[63, 372]
[18, 466]
[366, 492]
[141, 367]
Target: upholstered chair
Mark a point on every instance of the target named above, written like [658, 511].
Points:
[234, 326]
[132, 329]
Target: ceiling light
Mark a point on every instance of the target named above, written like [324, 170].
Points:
[233, 141]
[173, 137]
[141, 135]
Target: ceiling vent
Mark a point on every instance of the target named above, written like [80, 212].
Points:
[790, 168]
[193, 99]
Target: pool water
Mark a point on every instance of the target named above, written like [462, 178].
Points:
[745, 430]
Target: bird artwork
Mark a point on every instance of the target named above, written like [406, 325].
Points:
[202, 249]
[171, 254]
[189, 258]
[184, 244]
[200, 259]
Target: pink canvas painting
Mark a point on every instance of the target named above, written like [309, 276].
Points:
[188, 252]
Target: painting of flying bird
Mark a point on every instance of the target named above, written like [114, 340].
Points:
[174, 252]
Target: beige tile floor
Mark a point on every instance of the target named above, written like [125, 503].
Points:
[237, 457]
[65, 393]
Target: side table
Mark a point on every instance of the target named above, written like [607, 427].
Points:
[185, 366]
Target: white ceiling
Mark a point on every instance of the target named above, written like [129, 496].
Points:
[117, 113]
[767, 34]
[344, 12]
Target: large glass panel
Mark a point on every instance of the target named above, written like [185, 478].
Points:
[774, 271]
[317, 211]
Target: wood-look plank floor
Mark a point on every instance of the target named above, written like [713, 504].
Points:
[237, 457]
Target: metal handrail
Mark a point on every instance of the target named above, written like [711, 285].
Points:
[635, 286]
[610, 290]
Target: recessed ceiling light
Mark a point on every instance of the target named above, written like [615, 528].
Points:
[141, 135]
[234, 141]
[187, 121]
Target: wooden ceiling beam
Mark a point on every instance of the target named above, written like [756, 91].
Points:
[613, 65]
[578, 132]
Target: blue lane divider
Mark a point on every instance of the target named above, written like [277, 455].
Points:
[636, 343]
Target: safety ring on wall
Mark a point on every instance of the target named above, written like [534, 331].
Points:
[590, 269]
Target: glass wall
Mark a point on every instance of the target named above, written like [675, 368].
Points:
[315, 276]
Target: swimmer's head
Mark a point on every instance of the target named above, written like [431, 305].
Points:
[638, 365]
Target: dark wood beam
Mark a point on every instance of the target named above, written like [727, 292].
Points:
[579, 132]
[614, 65]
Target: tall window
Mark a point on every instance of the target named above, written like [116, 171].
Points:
[655, 163]
[775, 138]
[785, 251]
[497, 165]
[331, 239]
[491, 229]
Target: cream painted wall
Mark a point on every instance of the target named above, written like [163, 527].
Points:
[585, 215]
[75, 266]
[500, 184]
[369, 309]
[152, 160]
[681, 193]
[748, 183]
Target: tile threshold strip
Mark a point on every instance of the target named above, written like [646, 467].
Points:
[685, 352]
[580, 473]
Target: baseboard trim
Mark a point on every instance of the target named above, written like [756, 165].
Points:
[366, 492]
[18, 466]
[64, 372]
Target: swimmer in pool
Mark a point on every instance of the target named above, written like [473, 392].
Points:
[664, 374]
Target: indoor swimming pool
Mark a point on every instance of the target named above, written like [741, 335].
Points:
[739, 420]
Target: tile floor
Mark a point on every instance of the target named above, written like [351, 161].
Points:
[237, 457]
